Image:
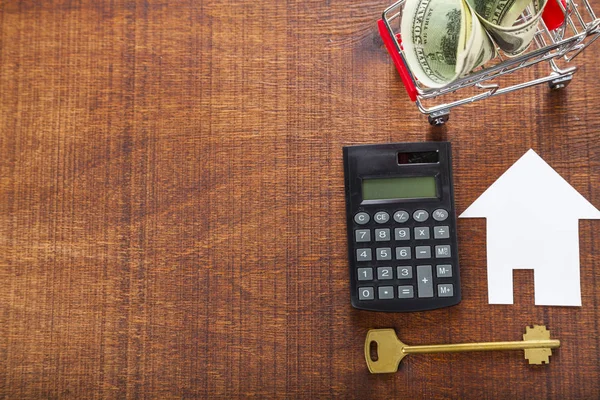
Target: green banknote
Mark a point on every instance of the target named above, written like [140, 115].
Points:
[500, 18]
[443, 40]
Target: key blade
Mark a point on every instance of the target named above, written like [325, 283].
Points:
[388, 349]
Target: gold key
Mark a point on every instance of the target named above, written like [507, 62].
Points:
[390, 351]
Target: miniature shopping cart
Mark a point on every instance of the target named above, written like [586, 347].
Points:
[565, 30]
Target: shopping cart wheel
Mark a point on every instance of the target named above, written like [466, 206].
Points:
[560, 82]
[439, 118]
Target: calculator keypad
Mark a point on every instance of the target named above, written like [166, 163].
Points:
[416, 247]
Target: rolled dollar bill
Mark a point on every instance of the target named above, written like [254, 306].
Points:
[499, 17]
[480, 47]
[443, 40]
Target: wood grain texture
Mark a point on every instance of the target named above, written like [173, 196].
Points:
[172, 207]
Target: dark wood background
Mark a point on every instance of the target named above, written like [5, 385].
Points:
[172, 207]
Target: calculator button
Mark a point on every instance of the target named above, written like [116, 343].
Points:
[445, 290]
[404, 272]
[382, 217]
[444, 271]
[402, 253]
[441, 232]
[402, 233]
[420, 215]
[382, 235]
[363, 235]
[424, 281]
[422, 232]
[366, 293]
[442, 251]
[385, 273]
[440, 214]
[423, 251]
[401, 216]
[384, 253]
[385, 292]
[365, 274]
[361, 218]
[363, 255]
[405, 292]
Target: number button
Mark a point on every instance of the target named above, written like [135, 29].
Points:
[404, 272]
[361, 218]
[420, 215]
[440, 214]
[366, 293]
[363, 255]
[384, 273]
[422, 232]
[384, 253]
[423, 251]
[402, 253]
[382, 235]
[442, 251]
[386, 292]
[441, 232]
[402, 233]
[382, 217]
[363, 235]
[365, 274]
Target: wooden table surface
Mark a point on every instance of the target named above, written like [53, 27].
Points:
[172, 213]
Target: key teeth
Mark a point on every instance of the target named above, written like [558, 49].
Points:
[534, 361]
[537, 356]
[536, 332]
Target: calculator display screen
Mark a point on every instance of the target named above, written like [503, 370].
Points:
[418, 187]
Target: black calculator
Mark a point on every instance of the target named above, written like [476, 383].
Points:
[402, 244]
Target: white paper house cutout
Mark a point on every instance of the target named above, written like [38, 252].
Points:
[533, 223]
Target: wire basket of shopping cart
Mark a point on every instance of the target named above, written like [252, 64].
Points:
[564, 31]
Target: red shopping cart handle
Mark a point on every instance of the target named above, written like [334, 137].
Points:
[398, 62]
[553, 15]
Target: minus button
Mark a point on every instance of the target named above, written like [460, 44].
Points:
[423, 252]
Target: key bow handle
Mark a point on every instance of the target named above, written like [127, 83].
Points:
[387, 351]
